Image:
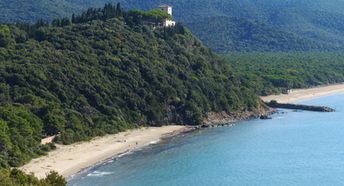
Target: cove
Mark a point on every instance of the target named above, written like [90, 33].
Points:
[293, 148]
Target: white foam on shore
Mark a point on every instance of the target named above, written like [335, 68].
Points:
[133, 148]
[99, 174]
[111, 160]
[154, 142]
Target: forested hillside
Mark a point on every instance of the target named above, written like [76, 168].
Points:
[33, 10]
[319, 22]
[269, 73]
[104, 72]
[224, 34]
[300, 25]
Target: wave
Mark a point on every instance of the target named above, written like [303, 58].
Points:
[99, 174]
[154, 142]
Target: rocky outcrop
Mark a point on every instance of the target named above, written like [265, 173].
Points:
[215, 119]
[275, 104]
[263, 116]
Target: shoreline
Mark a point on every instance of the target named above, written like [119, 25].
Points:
[297, 95]
[68, 160]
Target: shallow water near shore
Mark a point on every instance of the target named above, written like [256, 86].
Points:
[293, 148]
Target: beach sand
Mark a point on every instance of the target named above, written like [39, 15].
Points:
[70, 159]
[305, 94]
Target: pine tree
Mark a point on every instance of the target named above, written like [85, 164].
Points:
[65, 22]
[56, 22]
[118, 10]
[40, 23]
[73, 18]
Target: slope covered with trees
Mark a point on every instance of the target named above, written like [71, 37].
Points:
[33, 10]
[224, 34]
[104, 71]
[319, 22]
[269, 73]
[15, 177]
[301, 25]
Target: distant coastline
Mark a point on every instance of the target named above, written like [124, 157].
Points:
[296, 95]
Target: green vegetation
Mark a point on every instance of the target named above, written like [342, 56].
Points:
[4, 36]
[264, 25]
[17, 177]
[224, 34]
[104, 71]
[225, 26]
[269, 73]
[156, 14]
[33, 10]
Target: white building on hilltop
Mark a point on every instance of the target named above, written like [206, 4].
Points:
[166, 8]
[167, 22]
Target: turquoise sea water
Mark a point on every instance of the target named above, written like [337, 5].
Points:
[294, 148]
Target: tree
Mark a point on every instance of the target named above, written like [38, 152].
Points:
[5, 178]
[73, 18]
[56, 22]
[5, 141]
[118, 10]
[54, 121]
[65, 22]
[54, 179]
[5, 36]
[41, 23]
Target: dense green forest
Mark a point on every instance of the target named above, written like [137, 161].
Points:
[104, 71]
[269, 73]
[33, 10]
[15, 177]
[318, 21]
[226, 26]
[224, 34]
[101, 72]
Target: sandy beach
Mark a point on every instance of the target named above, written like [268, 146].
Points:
[304, 94]
[70, 159]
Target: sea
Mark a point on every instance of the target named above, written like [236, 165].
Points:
[293, 148]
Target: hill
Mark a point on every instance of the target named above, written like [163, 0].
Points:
[318, 22]
[274, 73]
[300, 25]
[105, 72]
[226, 34]
[33, 10]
